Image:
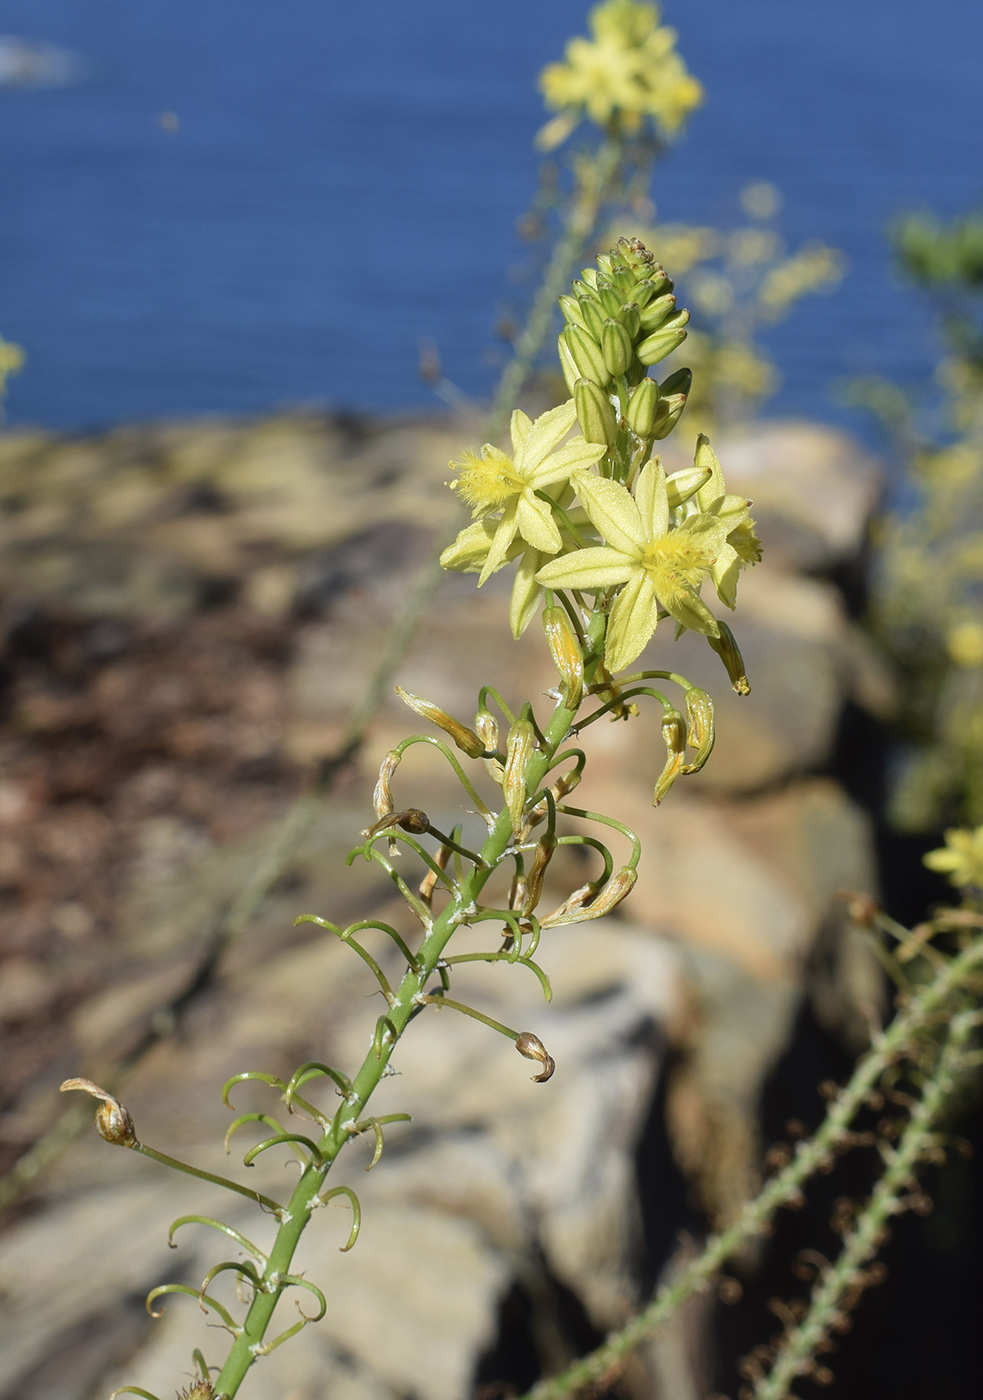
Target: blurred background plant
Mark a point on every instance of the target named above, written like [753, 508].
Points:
[926, 601]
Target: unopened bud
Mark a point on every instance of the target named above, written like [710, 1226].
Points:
[610, 298]
[487, 726]
[674, 735]
[656, 284]
[682, 485]
[630, 317]
[519, 749]
[382, 797]
[592, 317]
[532, 1048]
[465, 739]
[642, 406]
[570, 371]
[113, 1122]
[699, 715]
[572, 313]
[730, 654]
[595, 413]
[656, 347]
[657, 312]
[586, 354]
[615, 347]
[568, 657]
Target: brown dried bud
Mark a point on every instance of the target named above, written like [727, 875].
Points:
[465, 739]
[413, 820]
[519, 750]
[382, 797]
[537, 871]
[113, 1122]
[532, 1048]
[674, 734]
[619, 887]
[699, 715]
[201, 1390]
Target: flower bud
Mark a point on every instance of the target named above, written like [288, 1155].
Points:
[586, 283]
[586, 354]
[673, 393]
[656, 347]
[682, 485]
[674, 734]
[657, 312]
[382, 797]
[519, 749]
[699, 714]
[570, 371]
[532, 1048]
[642, 407]
[572, 313]
[595, 413]
[465, 739]
[730, 654]
[604, 264]
[592, 317]
[568, 657]
[630, 318]
[609, 297]
[656, 284]
[413, 820]
[113, 1122]
[487, 726]
[615, 347]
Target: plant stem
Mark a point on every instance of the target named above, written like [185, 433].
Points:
[784, 1187]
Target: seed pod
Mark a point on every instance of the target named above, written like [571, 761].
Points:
[595, 413]
[630, 317]
[642, 408]
[592, 317]
[586, 354]
[382, 797]
[113, 1122]
[568, 657]
[465, 739]
[682, 485]
[519, 749]
[674, 735]
[615, 347]
[699, 714]
[532, 1048]
[658, 311]
[730, 654]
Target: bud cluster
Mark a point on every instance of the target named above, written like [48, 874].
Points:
[621, 319]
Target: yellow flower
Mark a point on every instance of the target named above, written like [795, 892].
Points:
[742, 546]
[961, 858]
[628, 72]
[660, 565]
[493, 481]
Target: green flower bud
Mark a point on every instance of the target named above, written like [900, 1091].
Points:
[583, 288]
[593, 317]
[604, 264]
[682, 485]
[656, 347]
[658, 311]
[589, 277]
[610, 298]
[615, 347]
[630, 317]
[623, 280]
[656, 284]
[642, 407]
[570, 371]
[595, 413]
[572, 313]
[730, 654]
[586, 355]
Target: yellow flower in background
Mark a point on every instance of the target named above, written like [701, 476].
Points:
[660, 565]
[961, 858]
[491, 480]
[11, 362]
[629, 72]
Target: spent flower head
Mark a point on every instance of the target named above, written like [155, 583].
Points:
[628, 73]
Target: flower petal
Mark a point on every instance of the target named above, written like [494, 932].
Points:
[519, 428]
[724, 573]
[612, 510]
[545, 434]
[470, 550]
[632, 622]
[507, 530]
[526, 592]
[652, 499]
[689, 610]
[573, 456]
[536, 524]
[706, 457]
[597, 567]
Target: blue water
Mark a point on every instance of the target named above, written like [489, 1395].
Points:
[344, 180]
